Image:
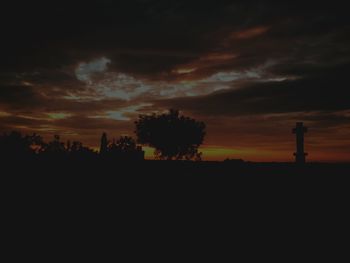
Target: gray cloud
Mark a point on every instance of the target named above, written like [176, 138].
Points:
[325, 91]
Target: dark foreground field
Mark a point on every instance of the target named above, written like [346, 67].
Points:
[155, 204]
[174, 199]
[148, 176]
[101, 168]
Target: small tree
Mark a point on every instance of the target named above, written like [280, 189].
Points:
[173, 136]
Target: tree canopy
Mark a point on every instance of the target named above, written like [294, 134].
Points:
[172, 135]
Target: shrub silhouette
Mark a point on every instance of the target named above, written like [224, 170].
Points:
[126, 144]
[58, 149]
[77, 149]
[173, 136]
[123, 144]
[125, 148]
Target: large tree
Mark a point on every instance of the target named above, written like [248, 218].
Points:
[173, 136]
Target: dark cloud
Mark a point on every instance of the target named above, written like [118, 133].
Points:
[328, 90]
[18, 96]
[82, 123]
[143, 36]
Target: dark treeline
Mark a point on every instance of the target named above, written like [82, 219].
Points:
[173, 136]
[124, 154]
[15, 146]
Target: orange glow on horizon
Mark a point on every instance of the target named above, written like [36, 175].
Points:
[219, 153]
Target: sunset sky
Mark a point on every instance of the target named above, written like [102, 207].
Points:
[249, 69]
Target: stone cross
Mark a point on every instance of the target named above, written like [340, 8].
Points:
[300, 155]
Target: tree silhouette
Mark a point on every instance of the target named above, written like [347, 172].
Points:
[126, 144]
[55, 147]
[58, 149]
[77, 149]
[173, 136]
[16, 145]
[125, 148]
[104, 144]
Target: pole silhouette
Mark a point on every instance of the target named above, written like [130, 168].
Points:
[299, 131]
